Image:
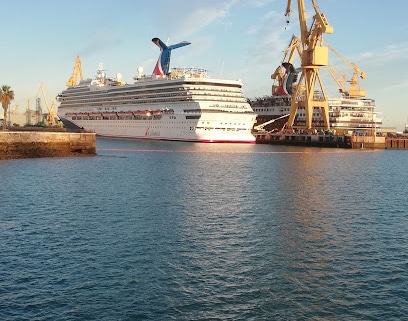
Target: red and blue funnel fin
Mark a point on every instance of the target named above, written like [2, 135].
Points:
[290, 77]
[163, 63]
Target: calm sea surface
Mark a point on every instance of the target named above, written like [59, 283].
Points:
[187, 231]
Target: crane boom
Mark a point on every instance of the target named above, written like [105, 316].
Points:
[76, 73]
[302, 18]
[51, 113]
[354, 90]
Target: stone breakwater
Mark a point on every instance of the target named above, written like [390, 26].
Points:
[33, 144]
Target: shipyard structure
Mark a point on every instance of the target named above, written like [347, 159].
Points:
[298, 111]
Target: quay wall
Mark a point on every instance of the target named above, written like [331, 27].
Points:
[307, 140]
[313, 140]
[36, 144]
[396, 143]
[374, 142]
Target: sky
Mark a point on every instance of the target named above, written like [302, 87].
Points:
[234, 39]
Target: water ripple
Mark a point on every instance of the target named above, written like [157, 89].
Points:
[205, 232]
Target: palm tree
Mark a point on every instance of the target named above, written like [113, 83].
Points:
[6, 96]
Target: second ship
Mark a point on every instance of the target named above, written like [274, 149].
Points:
[350, 112]
[182, 104]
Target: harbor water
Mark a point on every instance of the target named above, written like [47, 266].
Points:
[185, 231]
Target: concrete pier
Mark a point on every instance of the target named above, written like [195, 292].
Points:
[35, 144]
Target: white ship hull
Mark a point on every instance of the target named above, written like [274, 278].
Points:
[211, 128]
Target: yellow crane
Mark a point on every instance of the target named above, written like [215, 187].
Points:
[349, 88]
[51, 113]
[353, 90]
[314, 56]
[76, 73]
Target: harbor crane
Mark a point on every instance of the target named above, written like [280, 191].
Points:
[76, 73]
[51, 113]
[349, 88]
[354, 90]
[314, 55]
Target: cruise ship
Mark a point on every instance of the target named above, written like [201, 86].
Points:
[181, 104]
[346, 114]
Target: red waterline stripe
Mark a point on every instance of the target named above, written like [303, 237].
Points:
[228, 152]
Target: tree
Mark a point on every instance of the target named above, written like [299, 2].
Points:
[6, 96]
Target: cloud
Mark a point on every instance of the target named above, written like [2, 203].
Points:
[191, 17]
[397, 85]
[202, 17]
[270, 39]
[386, 54]
[102, 39]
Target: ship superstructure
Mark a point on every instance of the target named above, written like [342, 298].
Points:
[179, 104]
[345, 114]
